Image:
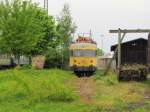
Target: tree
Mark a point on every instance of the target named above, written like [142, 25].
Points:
[53, 58]
[20, 27]
[49, 39]
[49, 44]
[66, 28]
[100, 52]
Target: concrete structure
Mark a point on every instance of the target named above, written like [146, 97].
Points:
[103, 61]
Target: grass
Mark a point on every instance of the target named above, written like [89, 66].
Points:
[114, 96]
[37, 91]
[53, 91]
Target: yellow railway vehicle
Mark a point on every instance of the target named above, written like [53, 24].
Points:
[83, 58]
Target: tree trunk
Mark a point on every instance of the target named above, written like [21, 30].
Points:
[62, 61]
[18, 60]
[30, 60]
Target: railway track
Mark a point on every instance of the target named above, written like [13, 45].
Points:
[85, 88]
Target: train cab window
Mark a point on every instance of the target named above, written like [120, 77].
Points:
[84, 53]
[77, 53]
[89, 53]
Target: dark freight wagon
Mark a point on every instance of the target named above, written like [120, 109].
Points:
[134, 51]
[134, 59]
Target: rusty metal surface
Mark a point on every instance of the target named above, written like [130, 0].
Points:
[134, 72]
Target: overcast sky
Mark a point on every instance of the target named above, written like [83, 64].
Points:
[102, 15]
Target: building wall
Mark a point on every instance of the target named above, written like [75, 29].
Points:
[102, 63]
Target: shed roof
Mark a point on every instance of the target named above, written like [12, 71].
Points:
[113, 47]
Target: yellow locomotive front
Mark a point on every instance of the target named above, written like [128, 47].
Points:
[83, 58]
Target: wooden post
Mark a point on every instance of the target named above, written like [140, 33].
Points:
[119, 48]
[148, 56]
[109, 64]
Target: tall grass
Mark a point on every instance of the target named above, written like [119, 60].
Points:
[49, 91]
[114, 96]
[31, 86]
[110, 79]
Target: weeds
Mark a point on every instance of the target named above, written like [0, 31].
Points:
[110, 79]
[34, 86]
[27, 90]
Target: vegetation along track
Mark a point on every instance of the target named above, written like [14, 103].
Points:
[107, 94]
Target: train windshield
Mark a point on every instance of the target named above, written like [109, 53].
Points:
[84, 53]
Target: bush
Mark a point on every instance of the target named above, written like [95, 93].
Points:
[26, 67]
[53, 59]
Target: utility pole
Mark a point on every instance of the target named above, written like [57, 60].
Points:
[90, 33]
[102, 41]
[46, 5]
[119, 48]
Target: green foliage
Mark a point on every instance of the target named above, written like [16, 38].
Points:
[139, 110]
[54, 91]
[25, 67]
[66, 28]
[49, 39]
[20, 27]
[100, 52]
[54, 44]
[24, 90]
[57, 58]
[110, 79]
[53, 59]
[26, 29]
[114, 96]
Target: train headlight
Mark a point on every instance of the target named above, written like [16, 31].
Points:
[75, 61]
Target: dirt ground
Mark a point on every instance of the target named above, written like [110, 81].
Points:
[86, 89]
